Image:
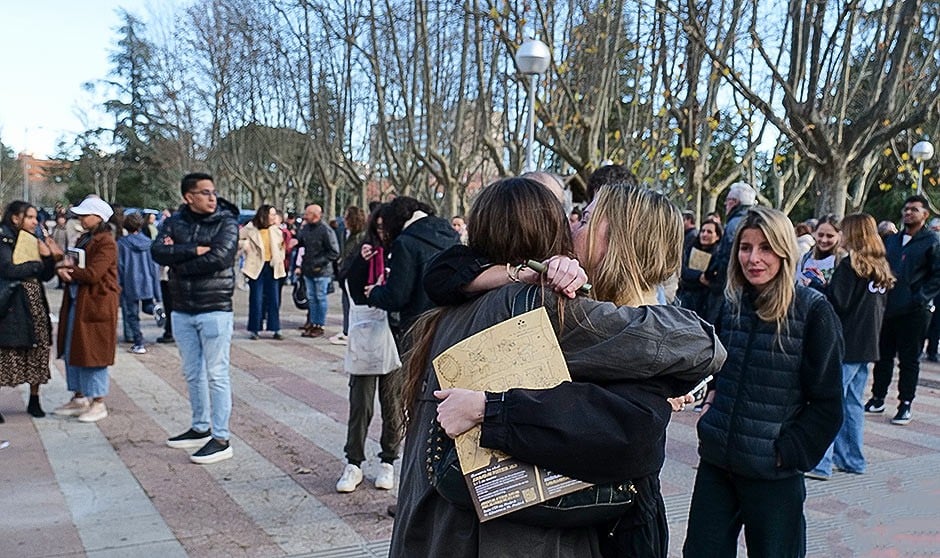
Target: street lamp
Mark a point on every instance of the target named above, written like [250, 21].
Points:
[922, 151]
[532, 58]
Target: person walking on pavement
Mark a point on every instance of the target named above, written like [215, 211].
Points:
[914, 257]
[320, 249]
[740, 198]
[199, 243]
[25, 328]
[87, 334]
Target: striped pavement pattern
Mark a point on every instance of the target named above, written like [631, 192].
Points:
[114, 488]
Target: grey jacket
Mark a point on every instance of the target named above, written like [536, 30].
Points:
[601, 343]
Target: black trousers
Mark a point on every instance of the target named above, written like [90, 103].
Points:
[902, 336]
[167, 296]
[771, 512]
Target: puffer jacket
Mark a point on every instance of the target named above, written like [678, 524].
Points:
[777, 399]
[917, 268]
[200, 283]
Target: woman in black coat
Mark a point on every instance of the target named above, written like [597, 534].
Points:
[25, 329]
[693, 294]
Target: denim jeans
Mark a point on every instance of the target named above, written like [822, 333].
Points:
[264, 299]
[89, 381]
[846, 450]
[204, 341]
[131, 311]
[771, 512]
[316, 297]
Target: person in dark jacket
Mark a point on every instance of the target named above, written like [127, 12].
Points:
[741, 197]
[138, 276]
[777, 402]
[320, 249]
[25, 329]
[856, 290]
[415, 235]
[692, 293]
[914, 257]
[199, 243]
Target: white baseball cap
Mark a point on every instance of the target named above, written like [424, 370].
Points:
[93, 205]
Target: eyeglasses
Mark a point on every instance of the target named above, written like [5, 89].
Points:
[207, 193]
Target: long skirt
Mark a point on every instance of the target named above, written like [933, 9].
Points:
[29, 366]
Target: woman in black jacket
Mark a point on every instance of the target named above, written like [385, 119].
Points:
[857, 292]
[693, 294]
[25, 329]
[777, 402]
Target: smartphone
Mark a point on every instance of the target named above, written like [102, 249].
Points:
[40, 232]
[698, 392]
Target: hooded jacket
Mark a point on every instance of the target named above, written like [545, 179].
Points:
[200, 283]
[138, 275]
[410, 255]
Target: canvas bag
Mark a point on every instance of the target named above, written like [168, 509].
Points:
[371, 349]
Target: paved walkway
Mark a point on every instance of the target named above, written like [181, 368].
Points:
[114, 489]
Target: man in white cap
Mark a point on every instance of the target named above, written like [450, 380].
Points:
[199, 243]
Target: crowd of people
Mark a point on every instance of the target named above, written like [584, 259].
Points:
[785, 319]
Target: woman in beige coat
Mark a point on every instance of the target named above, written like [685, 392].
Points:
[263, 244]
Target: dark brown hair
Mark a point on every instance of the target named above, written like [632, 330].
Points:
[355, 220]
[511, 221]
[262, 218]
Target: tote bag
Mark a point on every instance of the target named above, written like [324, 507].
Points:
[371, 349]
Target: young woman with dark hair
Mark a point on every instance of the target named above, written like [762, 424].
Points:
[263, 244]
[25, 329]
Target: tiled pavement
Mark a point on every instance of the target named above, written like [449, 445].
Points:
[114, 488]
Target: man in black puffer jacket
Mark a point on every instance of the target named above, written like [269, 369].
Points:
[198, 243]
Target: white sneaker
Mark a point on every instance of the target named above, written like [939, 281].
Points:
[352, 476]
[339, 339]
[385, 480]
[138, 350]
[73, 408]
[95, 412]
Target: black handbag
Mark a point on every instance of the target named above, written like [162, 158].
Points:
[596, 504]
[299, 294]
[8, 289]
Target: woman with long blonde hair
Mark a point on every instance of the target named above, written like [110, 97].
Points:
[857, 292]
[776, 405]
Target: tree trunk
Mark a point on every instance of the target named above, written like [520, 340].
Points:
[831, 183]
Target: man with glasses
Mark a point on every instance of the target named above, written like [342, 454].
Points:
[198, 243]
[914, 257]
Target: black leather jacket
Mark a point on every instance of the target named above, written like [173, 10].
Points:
[200, 283]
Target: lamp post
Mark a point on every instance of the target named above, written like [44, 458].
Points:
[922, 151]
[532, 58]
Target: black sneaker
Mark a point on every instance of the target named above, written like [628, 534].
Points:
[875, 405]
[212, 452]
[190, 439]
[904, 413]
[166, 339]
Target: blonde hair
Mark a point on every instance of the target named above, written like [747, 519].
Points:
[644, 243]
[866, 249]
[773, 302]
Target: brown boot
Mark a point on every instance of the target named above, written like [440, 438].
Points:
[305, 327]
[313, 331]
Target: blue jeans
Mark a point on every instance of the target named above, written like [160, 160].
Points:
[89, 381]
[205, 341]
[264, 299]
[316, 297]
[131, 309]
[846, 450]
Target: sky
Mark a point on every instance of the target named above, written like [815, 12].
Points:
[48, 50]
